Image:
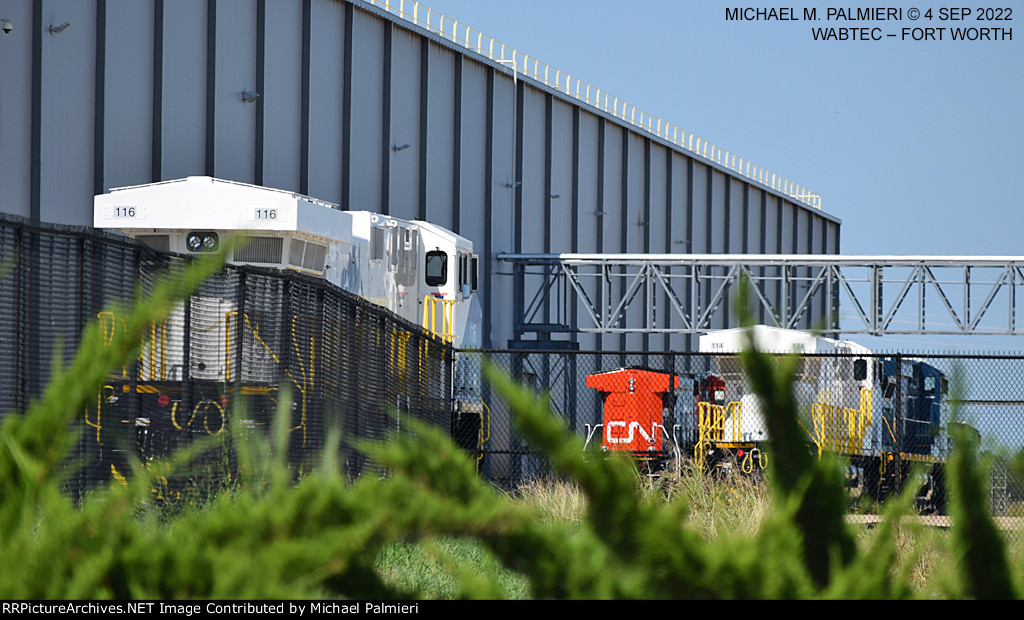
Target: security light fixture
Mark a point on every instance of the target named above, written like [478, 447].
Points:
[6, 25]
[397, 148]
[59, 29]
[249, 96]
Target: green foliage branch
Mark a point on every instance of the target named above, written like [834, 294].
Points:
[274, 537]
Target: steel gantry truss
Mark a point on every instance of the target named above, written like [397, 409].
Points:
[690, 293]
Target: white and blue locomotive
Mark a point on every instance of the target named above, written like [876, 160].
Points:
[418, 271]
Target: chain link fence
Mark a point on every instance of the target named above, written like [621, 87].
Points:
[890, 417]
[223, 359]
[226, 355]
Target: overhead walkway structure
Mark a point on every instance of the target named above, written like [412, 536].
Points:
[690, 293]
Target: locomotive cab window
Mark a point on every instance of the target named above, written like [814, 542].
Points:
[467, 272]
[377, 241]
[437, 268]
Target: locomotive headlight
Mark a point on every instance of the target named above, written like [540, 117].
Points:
[202, 242]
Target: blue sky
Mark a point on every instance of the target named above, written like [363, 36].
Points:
[914, 145]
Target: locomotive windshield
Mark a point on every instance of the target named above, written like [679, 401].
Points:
[437, 268]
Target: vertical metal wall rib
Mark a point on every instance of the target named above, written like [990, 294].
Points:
[304, 98]
[709, 230]
[667, 345]
[599, 212]
[624, 210]
[346, 112]
[646, 341]
[795, 249]
[385, 129]
[548, 161]
[517, 189]
[745, 232]
[689, 235]
[261, 87]
[726, 236]
[488, 259]
[763, 249]
[574, 242]
[779, 248]
[457, 149]
[424, 124]
[35, 186]
[211, 84]
[99, 94]
[156, 168]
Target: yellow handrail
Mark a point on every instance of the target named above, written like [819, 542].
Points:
[447, 331]
[734, 411]
[841, 429]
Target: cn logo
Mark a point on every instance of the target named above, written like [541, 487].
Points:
[633, 426]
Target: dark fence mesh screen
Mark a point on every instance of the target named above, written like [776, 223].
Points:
[229, 352]
[890, 417]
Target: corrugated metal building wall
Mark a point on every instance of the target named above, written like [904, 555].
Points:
[360, 108]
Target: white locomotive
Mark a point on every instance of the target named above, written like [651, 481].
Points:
[421, 272]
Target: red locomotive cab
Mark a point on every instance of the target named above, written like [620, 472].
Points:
[710, 389]
[633, 408]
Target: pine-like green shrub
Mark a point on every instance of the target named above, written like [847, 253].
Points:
[273, 537]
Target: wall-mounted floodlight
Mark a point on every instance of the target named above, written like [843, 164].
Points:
[555, 196]
[6, 25]
[59, 29]
[398, 149]
[249, 96]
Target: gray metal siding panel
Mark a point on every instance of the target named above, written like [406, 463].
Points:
[755, 222]
[440, 161]
[323, 131]
[737, 225]
[717, 212]
[534, 165]
[326, 89]
[366, 116]
[658, 215]
[67, 109]
[613, 208]
[501, 224]
[635, 224]
[474, 152]
[16, 109]
[128, 103]
[405, 102]
[282, 97]
[560, 238]
[700, 242]
[681, 216]
[660, 207]
[587, 182]
[588, 220]
[183, 110]
[234, 141]
[635, 193]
